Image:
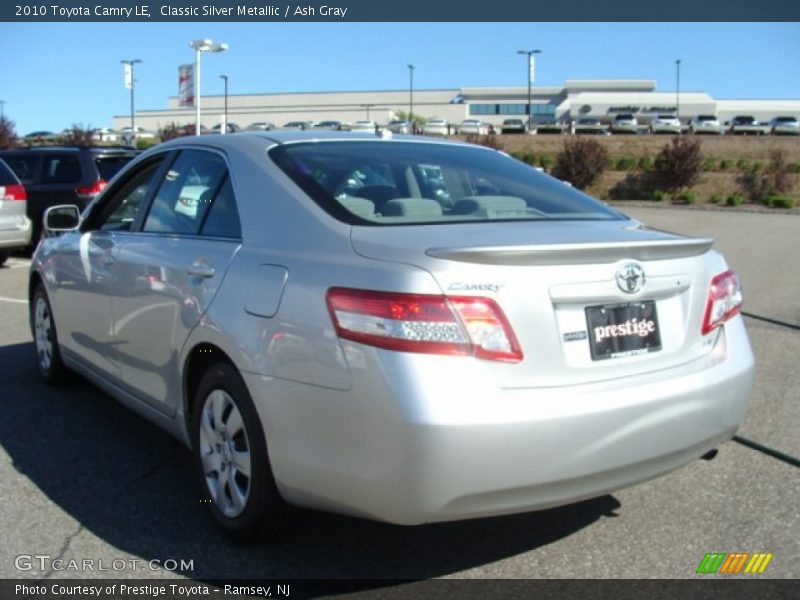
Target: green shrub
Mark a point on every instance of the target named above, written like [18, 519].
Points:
[687, 198]
[734, 200]
[529, 158]
[793, 167]
[625, 163]
[710, 164]
[774, 180]
[546, 161]
[779, 201]
[144, 144]
[725, 165]
[757, 166]
[659, 195]
[743, 165]
[716, 199]
[645, 163]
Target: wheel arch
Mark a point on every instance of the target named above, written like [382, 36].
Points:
[198, 360]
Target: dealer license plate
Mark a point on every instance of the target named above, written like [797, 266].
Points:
[619, 330]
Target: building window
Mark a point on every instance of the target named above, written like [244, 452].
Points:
[511, 109]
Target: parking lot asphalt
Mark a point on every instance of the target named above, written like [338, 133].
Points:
[83, 478]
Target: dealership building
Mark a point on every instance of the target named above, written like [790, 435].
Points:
[577, 98]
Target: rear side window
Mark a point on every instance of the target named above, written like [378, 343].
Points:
[108, 166]
[7, 176]
[222, 218]
[24, 166]
[391, 182]
[61, 168]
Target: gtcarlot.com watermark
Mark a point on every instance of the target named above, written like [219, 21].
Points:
[45, 562]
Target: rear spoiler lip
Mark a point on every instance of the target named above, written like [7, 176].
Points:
[573, 254]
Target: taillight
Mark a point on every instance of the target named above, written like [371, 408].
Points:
[15, 192]
[431, 324]
[89, 192]
[724, 300]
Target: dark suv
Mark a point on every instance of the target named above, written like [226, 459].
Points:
[64, 175]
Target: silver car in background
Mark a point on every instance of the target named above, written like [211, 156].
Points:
[405, 329]
[15, 226]
[705, 124]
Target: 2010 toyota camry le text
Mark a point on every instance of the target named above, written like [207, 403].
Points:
[400, 328]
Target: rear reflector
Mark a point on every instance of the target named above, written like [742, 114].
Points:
[89, 192]
[724, 300]
[15, 192]
[431, 324]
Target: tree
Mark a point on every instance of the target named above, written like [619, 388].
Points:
[679, 165]
[419, 120]
[8, 134]
[581, 162]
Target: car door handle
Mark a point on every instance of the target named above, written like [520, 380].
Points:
[200, 268]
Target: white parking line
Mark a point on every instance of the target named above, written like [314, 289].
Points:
[14, 300]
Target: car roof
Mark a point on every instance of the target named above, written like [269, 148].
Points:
[92, 149]
[244, 140]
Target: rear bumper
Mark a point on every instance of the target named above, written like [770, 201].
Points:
[15, 232]
[420, 439]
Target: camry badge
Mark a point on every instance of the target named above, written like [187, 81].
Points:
[630, 278]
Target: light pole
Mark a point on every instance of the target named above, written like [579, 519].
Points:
[367, 106]
[203, 45]
[225, 112]
[529, 54]
[411, 95]
[678, 93]
[130, 63]
[2, 110]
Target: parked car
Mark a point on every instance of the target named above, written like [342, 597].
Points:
[513, 126]
[15, 226]
[550, 125]
[624, 123]
[400, 126]
[364, 126]
[261, 126]
[473, 127]
[785, 126]
[747, 125]
[591, 125]
[105, 134]
[229, 128]
[705, 124]
[394, 353]
[140, 133]
[63, 174]
[39, 136]
[298, 125]
[331, 125]
[436, 127]
[665, 124]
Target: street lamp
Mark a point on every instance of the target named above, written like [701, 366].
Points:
[411, 95]
[678, 93]
[368, 106]
[529, 54]
[2, 110]
[225, 113]
[203, 45]
[130, 64]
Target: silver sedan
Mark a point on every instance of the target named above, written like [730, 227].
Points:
[405, 329]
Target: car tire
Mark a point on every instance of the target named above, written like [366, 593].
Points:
[45, 338]
[231, 459]
[3, 258]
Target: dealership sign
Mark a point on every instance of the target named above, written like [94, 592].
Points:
[642, 109]
[186, 85]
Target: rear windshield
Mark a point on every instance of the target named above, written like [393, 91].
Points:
[108, 166]
[391, 182]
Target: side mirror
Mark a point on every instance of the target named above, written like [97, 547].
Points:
[61, 218]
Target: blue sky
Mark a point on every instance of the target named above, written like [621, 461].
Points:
[57, 74]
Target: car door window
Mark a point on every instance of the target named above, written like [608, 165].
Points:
[121, 204]
[222, 218]
[23, 166]
[186, 192]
